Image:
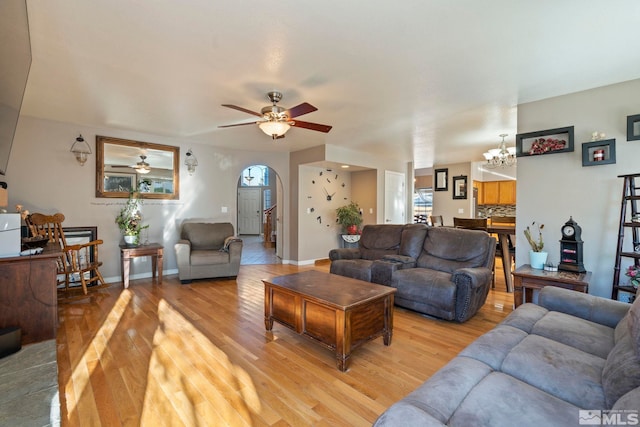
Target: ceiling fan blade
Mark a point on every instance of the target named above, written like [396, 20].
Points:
[312, 126]
[244, 110]
[301, 109]
[239, 124]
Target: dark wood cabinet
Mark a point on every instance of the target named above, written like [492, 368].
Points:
[527, 279]
[28, 295]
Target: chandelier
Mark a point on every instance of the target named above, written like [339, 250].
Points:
[501, 156]
[249, 178]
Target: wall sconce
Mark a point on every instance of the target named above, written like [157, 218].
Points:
[81, 150]
[191, 162]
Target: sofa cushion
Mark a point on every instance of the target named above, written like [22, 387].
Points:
[558, 369]
[525, 317]
[199, 257]
[590, 337]
[430, 287]
[634, 323]
[448, 249]
[492, 347]
[379, 240]
[412, 240]
[355, 268]
[502, 401]
[441, 394]
[206, 236]
[621, 372]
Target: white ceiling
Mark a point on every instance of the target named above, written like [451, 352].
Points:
[434, 81]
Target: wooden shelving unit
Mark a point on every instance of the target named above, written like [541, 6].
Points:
[628, 229]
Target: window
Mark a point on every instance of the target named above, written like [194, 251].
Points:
[422, 205]
[255, 176]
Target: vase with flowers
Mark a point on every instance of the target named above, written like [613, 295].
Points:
[129, 221]
[633, 273]
[537, 257]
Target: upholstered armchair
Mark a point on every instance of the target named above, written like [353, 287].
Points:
[207, 250]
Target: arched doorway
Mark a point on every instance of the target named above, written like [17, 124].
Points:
[258, 215]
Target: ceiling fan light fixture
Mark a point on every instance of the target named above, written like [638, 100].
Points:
[143, 169]
[274, 128]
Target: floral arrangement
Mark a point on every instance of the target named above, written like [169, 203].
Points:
[633, 273]
[129, 219]
[536, 246]
[542, 145]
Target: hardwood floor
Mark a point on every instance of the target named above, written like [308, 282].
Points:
[199, 355]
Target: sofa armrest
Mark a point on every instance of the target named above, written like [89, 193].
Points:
[589, 307]
[473, 277]
[472, 287]
[183, 253]
[403, 261]
[344, 253]
[382, 271]
[234, 247]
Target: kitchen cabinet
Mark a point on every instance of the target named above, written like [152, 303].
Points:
[507, 193]
[496, 192]
[491, 193]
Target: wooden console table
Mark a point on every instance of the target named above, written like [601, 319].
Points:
[127, 253]
[526, 279]
[28, 294]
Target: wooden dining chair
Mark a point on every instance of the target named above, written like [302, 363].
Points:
[470, 223]
[505, 220]
[436, 220]
[76, 262]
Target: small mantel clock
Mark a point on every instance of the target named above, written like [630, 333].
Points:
[571, 247]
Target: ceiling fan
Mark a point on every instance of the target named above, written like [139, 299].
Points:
[141, 167]
[276, 120]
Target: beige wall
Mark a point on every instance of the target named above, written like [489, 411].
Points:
[364, 186]
[553, 187]
[443, 202]
[45, 177]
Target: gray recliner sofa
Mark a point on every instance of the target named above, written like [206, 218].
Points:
[207, 250]
[377, 241]
[571, 360]
[439, 271]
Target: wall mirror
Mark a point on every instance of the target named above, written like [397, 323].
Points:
[123, 166]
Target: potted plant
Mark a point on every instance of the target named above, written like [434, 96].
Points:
[129, 221]
[349, 217]
[537, 256]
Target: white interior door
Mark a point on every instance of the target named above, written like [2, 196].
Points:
[394, 198]
[249, 211]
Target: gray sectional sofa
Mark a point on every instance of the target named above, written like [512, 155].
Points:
[565, 362]
[439, 271]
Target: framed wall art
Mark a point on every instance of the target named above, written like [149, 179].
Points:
[550, 141]
[441, 179]
[633, 127]
[601, 152]
[460, 187]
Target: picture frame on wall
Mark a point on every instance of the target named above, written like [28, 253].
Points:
[441, 179]
[633, 127]
[460, 187]
[599, 152]
[550, 141]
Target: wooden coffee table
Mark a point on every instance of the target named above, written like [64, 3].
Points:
[338, 312]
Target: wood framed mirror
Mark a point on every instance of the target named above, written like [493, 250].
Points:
[123, 165]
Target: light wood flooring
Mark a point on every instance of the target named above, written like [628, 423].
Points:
[199, 355]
